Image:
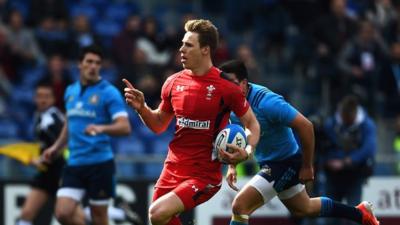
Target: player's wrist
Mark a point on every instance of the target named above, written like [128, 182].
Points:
[142, 108]
[249, 151]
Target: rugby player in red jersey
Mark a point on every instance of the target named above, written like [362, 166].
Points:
[201, 102]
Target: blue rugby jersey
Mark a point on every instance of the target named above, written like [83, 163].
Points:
[277, 141]
[99, 103]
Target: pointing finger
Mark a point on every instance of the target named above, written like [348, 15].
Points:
[127, 83]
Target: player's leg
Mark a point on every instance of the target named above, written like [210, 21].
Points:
[69, 195]
[68, 211]
[101, 189]
[32, 205]
[301, 205]
[186, 196]
[119, 213]
[165, 208]
[253, 195]
[44, 185]
[99, 214]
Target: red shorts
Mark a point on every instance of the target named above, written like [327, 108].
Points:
[192, 192]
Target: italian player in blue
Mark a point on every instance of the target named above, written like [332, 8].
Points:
[284, 166]
[95, 111]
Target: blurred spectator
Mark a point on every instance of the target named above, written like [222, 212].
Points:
[245, 54]
[51, 38]
[349, 162]
[42, 9]
[392, 30]
[4, 8]
[125, 43]
[221, 54]
[137, 68]
[81, 35]
[151, 89]
[329, 34]
[21, 39]
[361, 61]
[390, 82]
[380, 13]
[8, 61]
[58, 77]
[5, 91]
[153, 44]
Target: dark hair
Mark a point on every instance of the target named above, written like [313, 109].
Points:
[90, 49]
[208, 33]
[237, 67]
[44, 84]
[349, 104]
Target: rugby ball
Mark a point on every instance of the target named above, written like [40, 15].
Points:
[232, 134]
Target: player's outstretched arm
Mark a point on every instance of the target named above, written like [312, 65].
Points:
[157, 120]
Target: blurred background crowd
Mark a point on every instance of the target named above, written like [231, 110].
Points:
[312, 52]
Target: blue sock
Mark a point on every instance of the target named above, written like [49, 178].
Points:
[330, 208]
[237, 223]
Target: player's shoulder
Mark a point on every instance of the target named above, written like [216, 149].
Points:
[55, 112]
[226, 85]
[176, 75]
[171, 79]
[259, 95]
[107, 87]
[73, 87]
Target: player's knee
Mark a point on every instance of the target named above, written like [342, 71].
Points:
[63, 216]
[27, 214]
[238, 208]
[99, 216]
[157, 216]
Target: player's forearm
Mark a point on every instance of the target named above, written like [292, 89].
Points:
[152, 119]
[119, 127]
[306, 136]
[62, 138]
[253, 136]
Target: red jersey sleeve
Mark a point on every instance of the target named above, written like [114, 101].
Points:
[237, 101]
[166, 104]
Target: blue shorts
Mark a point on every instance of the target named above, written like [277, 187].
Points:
[284, 174]
[278, 178]
[95, 180]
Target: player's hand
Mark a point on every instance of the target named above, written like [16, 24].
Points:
[231, 177]
[133, 96]
[93, 129]
[49, 154]
[306, 174]
[37, 162]
[234, 156]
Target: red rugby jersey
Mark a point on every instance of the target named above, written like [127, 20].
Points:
[202, 106]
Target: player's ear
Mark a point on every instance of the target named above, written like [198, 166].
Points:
[205, 50]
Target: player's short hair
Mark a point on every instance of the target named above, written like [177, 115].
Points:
[45, 84]
[208, 33]
[95, 49]
[237, 67]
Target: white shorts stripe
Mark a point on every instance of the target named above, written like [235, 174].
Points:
[101, 202]
[266, 189]
[292, 191]
[74, 193]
